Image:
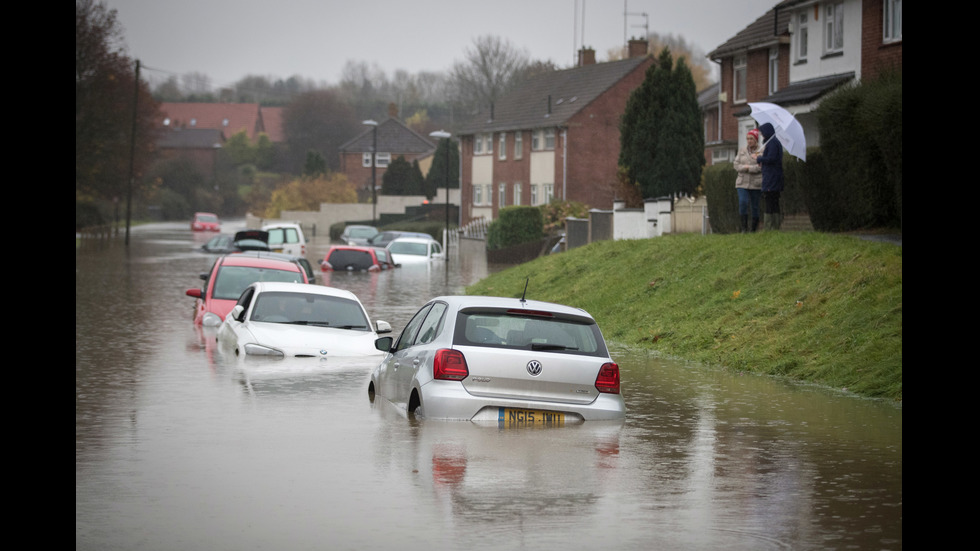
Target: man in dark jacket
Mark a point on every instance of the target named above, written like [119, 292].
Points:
[771, 162]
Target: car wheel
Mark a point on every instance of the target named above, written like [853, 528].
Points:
[415, 405]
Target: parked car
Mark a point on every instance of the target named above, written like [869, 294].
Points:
[415, 250]
[280, 320]
[286, 237]
[358, 235]
[384, 258]
[231, 274]
[300, 260]
[355, 259]
[205, 221]
[500, 360]
[384, 238]
[245, 240]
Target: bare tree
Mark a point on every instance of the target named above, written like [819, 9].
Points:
[493, 66]
[701, 69]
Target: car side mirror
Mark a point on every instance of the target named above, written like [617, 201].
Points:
[236, 313]
[196, 293]
[383, 343]
[203, 276]
[383, 327]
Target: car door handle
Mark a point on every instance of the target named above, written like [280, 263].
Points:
[415, 362]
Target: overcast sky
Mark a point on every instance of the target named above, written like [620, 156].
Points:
[313, 39]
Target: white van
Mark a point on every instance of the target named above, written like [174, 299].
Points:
[286, 237]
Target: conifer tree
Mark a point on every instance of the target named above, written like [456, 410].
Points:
[661, 138]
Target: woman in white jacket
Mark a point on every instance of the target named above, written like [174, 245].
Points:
[748, 185]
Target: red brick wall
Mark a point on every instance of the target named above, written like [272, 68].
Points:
[875, 54]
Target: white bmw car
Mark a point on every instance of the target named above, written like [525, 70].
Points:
[282, 320]
[500, 360]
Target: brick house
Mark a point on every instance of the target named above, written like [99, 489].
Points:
[199, 146]
[557, 136]
[229, 118]
[394, 140]
[794, 55]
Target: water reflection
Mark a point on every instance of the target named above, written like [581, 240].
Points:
[179, 447]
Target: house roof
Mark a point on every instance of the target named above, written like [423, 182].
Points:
[191, 138]
[550, 99]
[709, 96]
[763, 32]
[272, 123]
[393, 137]
[230, 118]
[806, 91]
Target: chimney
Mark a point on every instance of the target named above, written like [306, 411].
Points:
[586, 56]
[638, 47]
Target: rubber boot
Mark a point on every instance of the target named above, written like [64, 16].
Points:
[744, 219]
[777, 220]
[755, 225]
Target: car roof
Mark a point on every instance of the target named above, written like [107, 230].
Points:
[414, 240]
[281, 286]
[365, 248]
[471, 301]
[261, 259]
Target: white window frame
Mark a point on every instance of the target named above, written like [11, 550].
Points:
[543, 139]
[489, 141]
[773, 70]
[366, 159]
[502, 146]
[477, 195]
[739, 78]
[802, 36]
[478, 144]
[518, 144]
[382, 159]
[549, 192]
[549, 139]
[534, 195]
[517, 193]
[502, 199]
[892, 20]
[834, 28]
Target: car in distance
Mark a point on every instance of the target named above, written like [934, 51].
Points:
[245, 240]
[384, 258]
[295, 320]
[357, 234]
[415, 250]
[500, 360]
[205, 221]
[354, 259]
[286, 237]
[382, 239]
[230, 275]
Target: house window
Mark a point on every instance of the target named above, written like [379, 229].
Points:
[478, 144]
[488, 140]
[834, 26]
[534, 194]
[518, 144]
[549, 192]
[517, 193]
[502, 200]
[382, 160]
[502, 146]
[893, 20]
[773, 70]
[543, 139]
[738, 83]
[802, 37]
[366, 160]
[477, 195]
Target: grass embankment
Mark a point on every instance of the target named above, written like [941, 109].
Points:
[809, 306]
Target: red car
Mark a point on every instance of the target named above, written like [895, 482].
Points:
[231, 274]
[205, 221]
[356, 259]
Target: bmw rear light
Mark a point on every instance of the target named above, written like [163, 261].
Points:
[450, 365]
[608, 379]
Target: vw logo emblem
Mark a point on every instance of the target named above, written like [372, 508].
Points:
[534, 368]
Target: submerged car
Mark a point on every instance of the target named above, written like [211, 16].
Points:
[415, 250]
[205, 221]
[354, 259]
[286, 237]
[231, 274]
[502, 360]
[287, 320]
[245, 240]
[384, 238]
[357, 234]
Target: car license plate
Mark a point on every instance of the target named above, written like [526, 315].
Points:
[514, 417]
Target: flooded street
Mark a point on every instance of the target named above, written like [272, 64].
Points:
[179, 448]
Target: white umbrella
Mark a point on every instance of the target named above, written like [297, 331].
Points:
[788, 129]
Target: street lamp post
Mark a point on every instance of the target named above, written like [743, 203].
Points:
[374, 167]
[442, 134]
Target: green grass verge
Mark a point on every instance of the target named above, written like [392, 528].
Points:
[808, 306]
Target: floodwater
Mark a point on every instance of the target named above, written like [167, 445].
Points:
[179, 448]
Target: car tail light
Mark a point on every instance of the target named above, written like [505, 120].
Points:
[608, 379]
[450, 365]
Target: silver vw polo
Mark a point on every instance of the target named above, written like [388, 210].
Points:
[503, 360]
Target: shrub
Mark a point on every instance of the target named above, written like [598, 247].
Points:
[555, 213]
[515, 225]
[718, 182]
